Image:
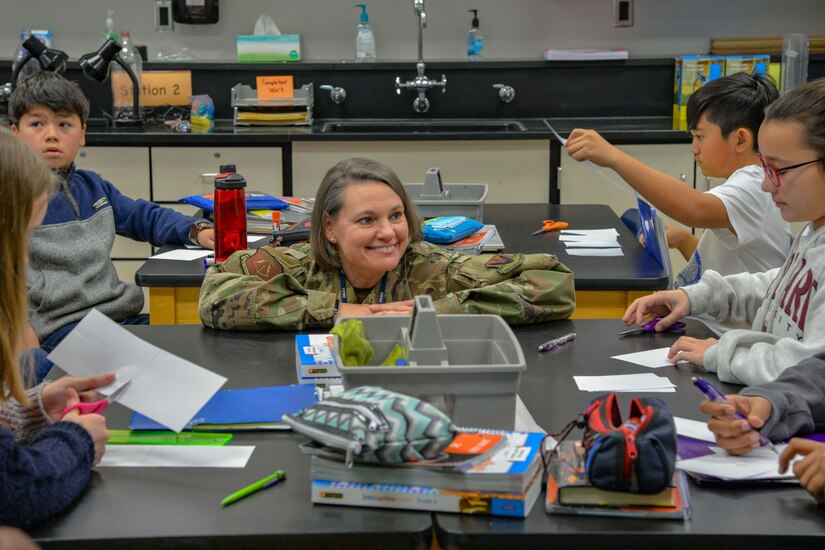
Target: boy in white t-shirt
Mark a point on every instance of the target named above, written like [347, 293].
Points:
[745, 230]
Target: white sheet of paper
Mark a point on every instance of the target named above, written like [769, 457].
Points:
[652, 358]
[693, 429]
[595, 251]
[592, 243]
[176, 456]
[593, 233]
[255, 238]
[164, 387]
[758, 464]
[183, 254]
[624, 382]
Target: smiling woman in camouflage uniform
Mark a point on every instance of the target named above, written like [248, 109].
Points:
[366, 257]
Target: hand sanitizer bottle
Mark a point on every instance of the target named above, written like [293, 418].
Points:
[364, 39]
[475, 42]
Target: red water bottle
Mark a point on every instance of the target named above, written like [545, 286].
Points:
[230, 213]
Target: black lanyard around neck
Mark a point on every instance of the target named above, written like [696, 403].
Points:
[382, 296]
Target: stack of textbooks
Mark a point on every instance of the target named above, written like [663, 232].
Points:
[570, 492]
[489, 473]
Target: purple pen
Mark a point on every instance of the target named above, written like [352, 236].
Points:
[716, 396]
[556, 342]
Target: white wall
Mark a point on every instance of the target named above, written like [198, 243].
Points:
[513, 29]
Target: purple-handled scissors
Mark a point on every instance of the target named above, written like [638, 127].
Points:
[650, 326]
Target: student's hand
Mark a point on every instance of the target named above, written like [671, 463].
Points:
[690, 349]
[589, 145]
[810, 470]
[733, 434]
[95, 424]
[670, 305]
[206, 238]
[68, 390]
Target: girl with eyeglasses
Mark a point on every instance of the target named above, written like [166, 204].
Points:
[786, 313]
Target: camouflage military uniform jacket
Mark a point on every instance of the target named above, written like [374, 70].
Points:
[282, 288]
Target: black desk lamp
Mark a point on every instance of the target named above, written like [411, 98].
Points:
[47, 58]
[96, 66]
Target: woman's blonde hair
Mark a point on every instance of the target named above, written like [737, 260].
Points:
[330, 199]
[23, 178]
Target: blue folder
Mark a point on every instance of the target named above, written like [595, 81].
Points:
[241, 410]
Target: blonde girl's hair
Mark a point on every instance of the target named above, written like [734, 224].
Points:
[23, 178]
[330, 199]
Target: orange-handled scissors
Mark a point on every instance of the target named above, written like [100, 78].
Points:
[550, 225]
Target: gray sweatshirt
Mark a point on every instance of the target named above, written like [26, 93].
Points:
[797, 400]
[786, 313]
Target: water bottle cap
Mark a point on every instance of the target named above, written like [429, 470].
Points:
[229, 181]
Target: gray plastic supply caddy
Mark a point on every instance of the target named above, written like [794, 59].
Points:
[473, 361]
[434, 199]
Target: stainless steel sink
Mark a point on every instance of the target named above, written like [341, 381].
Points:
[406, 126]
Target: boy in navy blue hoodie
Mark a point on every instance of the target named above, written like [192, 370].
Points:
[70, 271]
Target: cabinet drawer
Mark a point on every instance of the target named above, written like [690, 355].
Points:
[182, 171]
[126, 167]
[515, 171]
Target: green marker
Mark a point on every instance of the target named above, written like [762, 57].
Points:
[255, 487]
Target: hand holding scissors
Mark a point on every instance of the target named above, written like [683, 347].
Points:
[94, 407]
[550, 225]
[650, 326]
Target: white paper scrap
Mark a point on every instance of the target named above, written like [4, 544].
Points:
[593, 243]
[594, 252]
[592, 233]
[693, 429]
[164, 387]
[758, 464]
[652, 358]
[624, 382]
[183, 254]
[176, 456]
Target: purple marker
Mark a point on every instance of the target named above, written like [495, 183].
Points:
[556, 342]
[716, 396]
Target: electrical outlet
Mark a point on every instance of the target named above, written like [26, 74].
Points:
[622, 13]
[163, 15]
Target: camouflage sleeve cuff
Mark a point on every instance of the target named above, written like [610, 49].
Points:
[321, 307]
[448, 304]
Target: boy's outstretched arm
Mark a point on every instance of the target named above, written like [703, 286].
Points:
[670, 196]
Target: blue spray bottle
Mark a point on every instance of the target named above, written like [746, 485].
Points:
[475, 42]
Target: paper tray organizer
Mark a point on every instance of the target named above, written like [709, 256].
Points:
[251, 111]
[474, 361]
[434, 199]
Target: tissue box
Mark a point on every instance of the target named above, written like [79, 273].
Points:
[692, 71]
[257, 48]
[752, 64]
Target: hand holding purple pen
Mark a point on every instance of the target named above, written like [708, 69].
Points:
[717, 397]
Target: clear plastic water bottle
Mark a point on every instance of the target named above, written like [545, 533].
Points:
[31, 65]
[122, 101]
[230, 213]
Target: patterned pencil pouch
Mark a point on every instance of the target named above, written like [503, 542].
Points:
[374, 425]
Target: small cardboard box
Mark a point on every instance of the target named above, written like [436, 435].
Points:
[314, 359]
[262, 48]
[691, 72]
[751, 64]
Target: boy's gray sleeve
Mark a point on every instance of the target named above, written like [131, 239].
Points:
[797, 400]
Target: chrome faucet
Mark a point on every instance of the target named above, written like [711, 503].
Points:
[421, 83]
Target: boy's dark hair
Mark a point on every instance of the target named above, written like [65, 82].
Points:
[48, 89]
[732, 102]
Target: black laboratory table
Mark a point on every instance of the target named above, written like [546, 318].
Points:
[605, 286]
[179, 507]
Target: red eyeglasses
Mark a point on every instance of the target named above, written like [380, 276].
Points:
[774, 172]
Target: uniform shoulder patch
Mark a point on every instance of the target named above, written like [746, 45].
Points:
[262, 264]
[505, 263]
